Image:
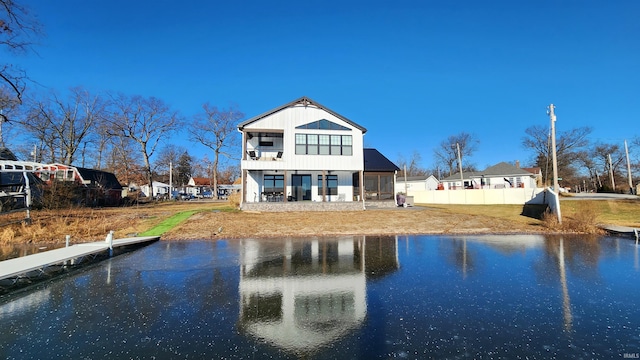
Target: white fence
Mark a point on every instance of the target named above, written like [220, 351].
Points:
[518, 196]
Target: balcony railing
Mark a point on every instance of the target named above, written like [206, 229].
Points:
[268, 155]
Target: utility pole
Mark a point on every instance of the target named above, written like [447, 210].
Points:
[613, 182]
[552, 115]
[556, 187]
[626, 150]
[460, 165]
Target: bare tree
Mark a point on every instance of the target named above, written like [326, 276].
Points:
[216, 129]
[569, 144]
[123, 161]
[17, 32]
[412, 166]
[64, 125]
[146, 121]
[446, 155]
[169, 154]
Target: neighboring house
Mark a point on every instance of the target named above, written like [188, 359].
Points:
[415, 183]
[499, 176]
[304, 151]
[160, 189]
[537, 173]
[99, 187]
[199, 186]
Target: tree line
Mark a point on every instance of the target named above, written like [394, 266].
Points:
[583, 164]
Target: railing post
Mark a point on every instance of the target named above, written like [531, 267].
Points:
[67, 238]
[109, 241]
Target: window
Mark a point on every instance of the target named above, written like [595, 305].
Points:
[313, 144]
[323, 124]
[274, 183]
[331, 182]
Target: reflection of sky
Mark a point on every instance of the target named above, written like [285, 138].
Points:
[449, 297]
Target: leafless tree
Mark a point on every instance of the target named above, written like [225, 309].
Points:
[18, 29]
[412, 166]
[216, 129]
[64, 125]
[446, 154]
[569, 144]
[168, 155]
[146, 121]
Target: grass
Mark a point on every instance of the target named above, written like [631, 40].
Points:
[614, 212]
[169, 223]
[506, 212]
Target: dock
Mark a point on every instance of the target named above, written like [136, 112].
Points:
[23, 266]
[622, 231]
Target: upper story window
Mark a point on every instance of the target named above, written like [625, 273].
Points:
[323, 124]
[320, 144]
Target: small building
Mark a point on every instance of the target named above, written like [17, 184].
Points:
[500, 176]
[415, 183]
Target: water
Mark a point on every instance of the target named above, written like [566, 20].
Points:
[350, 298]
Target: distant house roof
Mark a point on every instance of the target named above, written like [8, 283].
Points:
[500, 169]
[465, 174]
[503, 169]
[375, 161]
[534, 170]
[201, 181]
[305, 101]
[103, 178]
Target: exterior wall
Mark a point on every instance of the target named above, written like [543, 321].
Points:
[254, 185]
[476, 196]
[429, 184]
[287, 120]
[496, 182]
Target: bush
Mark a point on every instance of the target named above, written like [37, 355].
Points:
[234, 199]
[584, 220]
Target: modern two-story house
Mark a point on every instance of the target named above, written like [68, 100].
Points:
[304, 151]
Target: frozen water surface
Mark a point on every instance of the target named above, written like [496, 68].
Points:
[368, 297]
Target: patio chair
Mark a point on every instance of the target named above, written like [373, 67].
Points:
[252, 155]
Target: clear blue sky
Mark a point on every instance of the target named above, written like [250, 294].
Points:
[411, 72]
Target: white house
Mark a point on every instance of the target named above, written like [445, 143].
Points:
[415, 183]
[159, 189]
[500, 176]
[304, 151]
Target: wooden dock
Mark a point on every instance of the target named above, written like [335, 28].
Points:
[19, 267]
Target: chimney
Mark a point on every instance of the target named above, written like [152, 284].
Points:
[518, 164]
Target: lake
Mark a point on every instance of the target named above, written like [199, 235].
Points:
[351, 297]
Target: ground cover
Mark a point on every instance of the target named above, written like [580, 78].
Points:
[213, 220]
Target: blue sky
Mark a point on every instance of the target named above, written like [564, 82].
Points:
[411, 72]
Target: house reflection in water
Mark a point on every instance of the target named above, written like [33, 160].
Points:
[301, 295]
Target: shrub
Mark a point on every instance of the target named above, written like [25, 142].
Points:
[234, 199]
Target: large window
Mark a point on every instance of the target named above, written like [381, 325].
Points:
[331, 183]
[274, 183]
[314, 144]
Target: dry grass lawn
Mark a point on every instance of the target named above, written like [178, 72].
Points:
[214, 220]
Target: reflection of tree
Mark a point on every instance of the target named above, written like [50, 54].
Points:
[459, 254]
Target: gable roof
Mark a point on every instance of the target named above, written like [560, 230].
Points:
[497, 170]
[200, 181]
[503, 169]
[305, 101]
[103, 178]
[466, 175]
[375, 161]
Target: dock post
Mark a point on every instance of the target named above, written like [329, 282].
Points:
[635, 231]
[109, 240]
[67, 238]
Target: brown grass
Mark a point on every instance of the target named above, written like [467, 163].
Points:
[215, 220]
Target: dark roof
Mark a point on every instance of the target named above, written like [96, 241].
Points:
[465, 174]
[375, 161]
[106, 179]
[301, 101]
[500, 169]
[6, 154]
[504, 169]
